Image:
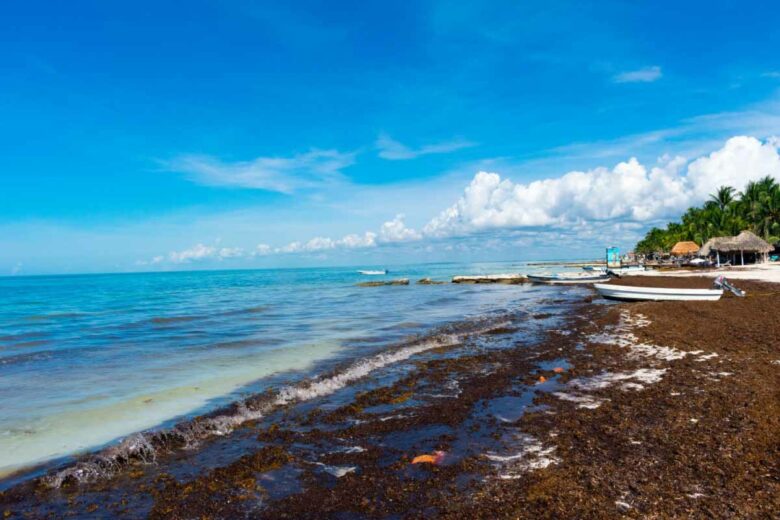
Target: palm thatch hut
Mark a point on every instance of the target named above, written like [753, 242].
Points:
[685, 248]
[738, 248]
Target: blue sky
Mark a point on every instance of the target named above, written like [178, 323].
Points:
[205, 134]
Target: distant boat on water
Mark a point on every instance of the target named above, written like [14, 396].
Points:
[374, 272]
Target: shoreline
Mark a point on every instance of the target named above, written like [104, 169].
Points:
[666, 409]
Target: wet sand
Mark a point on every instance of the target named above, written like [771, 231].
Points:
[631, 410]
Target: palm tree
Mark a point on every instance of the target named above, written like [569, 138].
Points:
[727, 212]
[766, 214]
[723, 197]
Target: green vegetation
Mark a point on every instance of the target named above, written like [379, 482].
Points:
[726, 213]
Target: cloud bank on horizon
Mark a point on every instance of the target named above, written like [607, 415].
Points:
[628, 196]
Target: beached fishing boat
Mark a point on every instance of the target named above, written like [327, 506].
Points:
[626, 292]
[373, 273]
[628, 269]
[568, 278]
[592, 268]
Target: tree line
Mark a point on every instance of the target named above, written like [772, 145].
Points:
[726, 213]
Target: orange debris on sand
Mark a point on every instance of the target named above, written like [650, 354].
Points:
[558, 370]
[435, 458]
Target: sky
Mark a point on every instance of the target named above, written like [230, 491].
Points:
[227, 134]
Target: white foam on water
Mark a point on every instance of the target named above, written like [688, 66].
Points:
[106, 463]
[532, 455]
[359, 370]
[607, 379]
[337, 471]
[629, 381]
[351, 449]
[94, 423]
[583, 401]
[621, 335]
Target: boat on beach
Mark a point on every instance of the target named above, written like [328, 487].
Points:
[568, 278]
[594, 268]
[629, 293]
[628, 269]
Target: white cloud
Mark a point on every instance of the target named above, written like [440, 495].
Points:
[197, 253]
[281, 174]
[643, 75]
[396, 231]
[393, 150]
[741, 159]
[231, 252]
[263, 250]
[318, 244]
[355, 241]
[628, 192]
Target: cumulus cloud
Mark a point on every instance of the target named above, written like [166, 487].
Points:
[393, 150]
[742, 159]
[318, 244]
[280, 174]
[263, 250]
[198, 252]
[643, 75]
[231, 252]
[396, 231]
[627, 192]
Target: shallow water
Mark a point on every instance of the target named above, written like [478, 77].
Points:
[88, 359]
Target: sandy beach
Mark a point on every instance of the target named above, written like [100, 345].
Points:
[769, 272]
[622, 410]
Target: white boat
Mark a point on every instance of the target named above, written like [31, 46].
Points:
[597, 268]
[626, 292]
[373, 273]
[568, 278]
[627, 269]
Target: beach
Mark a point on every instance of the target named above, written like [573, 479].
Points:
[577, 408]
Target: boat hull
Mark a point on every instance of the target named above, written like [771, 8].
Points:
[628, 293]
[567, 280]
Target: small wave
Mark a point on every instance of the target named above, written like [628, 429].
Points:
[144, 447]
[257, 309]
[22, 336]
[28, 357]
[165, 320]
[56, 316]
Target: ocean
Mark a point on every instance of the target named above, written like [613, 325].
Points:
[86, 360]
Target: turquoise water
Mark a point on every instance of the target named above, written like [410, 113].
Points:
[85, 360]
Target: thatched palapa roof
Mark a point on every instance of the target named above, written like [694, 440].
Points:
[685, 248]
[745, 241]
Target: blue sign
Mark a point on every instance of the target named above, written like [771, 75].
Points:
[613, 257]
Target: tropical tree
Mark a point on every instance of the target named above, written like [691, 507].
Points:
[726, 212]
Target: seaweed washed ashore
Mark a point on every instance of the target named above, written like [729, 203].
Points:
[630, 410]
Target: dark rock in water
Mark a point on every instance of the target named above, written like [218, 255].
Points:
[379, 283]
[492, 278]
[428, 281]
